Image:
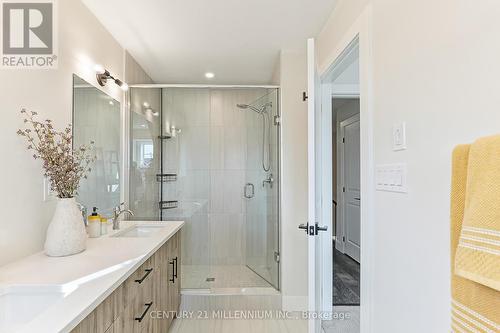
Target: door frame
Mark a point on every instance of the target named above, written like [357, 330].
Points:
[358, 34]
[341, 176]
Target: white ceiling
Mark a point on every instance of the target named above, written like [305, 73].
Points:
[177, 41]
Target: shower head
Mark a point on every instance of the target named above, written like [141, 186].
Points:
[246, 106]
[253, 108]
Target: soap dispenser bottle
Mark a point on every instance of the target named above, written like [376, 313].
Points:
[94, 224]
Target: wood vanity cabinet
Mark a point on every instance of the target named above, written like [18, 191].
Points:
[146, 301]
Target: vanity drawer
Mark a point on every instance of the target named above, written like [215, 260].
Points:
[136, 315]
[138, 284]
[154, 286]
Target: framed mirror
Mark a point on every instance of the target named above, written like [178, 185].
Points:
[96, 117]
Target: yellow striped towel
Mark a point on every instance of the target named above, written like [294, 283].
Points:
[478, 252]
[475, 307]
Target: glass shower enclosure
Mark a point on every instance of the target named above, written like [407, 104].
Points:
[210, 157]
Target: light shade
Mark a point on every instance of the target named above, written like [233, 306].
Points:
[99, 69]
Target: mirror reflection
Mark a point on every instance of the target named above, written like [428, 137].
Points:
[96, 117]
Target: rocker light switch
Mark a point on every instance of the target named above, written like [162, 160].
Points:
[391, 177]
[399, 136]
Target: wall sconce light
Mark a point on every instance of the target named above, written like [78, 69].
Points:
[103, 75]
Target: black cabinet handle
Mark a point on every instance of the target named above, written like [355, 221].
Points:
[173, 271]
[148, 305]
[148, 271]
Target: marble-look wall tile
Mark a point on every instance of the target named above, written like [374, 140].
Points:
[217, 152]
[234, 181]
[234, 148]
[227, 241]
[194, 185]
[195, 147]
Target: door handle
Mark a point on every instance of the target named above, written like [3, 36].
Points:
[304, 227]
[312, 230]
[147, 305]
[175, 268]
[251, 187]
[359, 199]
[148, 271]
[172, 262]
[320, 228]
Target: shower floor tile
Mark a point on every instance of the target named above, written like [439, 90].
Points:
[225, 276]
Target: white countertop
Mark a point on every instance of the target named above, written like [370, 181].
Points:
[93, 274]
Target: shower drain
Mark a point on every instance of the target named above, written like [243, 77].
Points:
[209, 279]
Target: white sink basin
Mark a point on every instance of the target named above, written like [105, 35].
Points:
[21, 304]
[139, 231]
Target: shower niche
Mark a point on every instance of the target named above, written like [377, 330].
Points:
[193, 153]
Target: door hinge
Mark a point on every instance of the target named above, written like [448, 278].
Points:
[277, 120]
[277, 257]
[343, 189]
[343, 239]
[343, 140]
[304, 96]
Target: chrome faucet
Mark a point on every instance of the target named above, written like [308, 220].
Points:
[118, 211]
[269, 180]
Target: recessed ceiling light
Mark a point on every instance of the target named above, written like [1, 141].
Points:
[209, 75]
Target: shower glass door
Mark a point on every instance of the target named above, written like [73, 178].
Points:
[210, 157]
[145, 159]
[261, 191]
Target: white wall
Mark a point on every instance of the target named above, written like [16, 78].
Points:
[293, 80]
[436, 67]
[83, 41]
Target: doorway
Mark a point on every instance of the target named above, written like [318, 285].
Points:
[347, 199]
[324, 85]
[341, 90]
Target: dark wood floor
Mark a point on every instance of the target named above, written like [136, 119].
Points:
[345, 279]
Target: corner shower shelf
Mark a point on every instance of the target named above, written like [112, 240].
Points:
[169, 204]
[166, 177]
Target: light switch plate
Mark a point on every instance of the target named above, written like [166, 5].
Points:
[391, 177]
[399, 136]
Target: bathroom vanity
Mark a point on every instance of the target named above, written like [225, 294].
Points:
[146, 301]
[127, 281]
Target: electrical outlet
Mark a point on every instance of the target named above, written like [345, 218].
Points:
[48, 194]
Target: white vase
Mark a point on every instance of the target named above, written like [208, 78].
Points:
[66, 234]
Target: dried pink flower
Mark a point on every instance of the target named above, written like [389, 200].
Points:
[62, 165]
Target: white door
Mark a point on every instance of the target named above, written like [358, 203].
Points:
[314, 204]
[351, 186]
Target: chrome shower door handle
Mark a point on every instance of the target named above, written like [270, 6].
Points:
[269, 180]
[249, 191]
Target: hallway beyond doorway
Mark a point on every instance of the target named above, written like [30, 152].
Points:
[346, 282]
